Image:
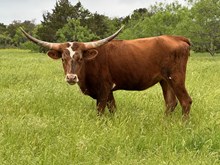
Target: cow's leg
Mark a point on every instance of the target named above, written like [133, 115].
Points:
[102, 99]
[101, 104]
[178, 85]
[169, 97]
[111, 103]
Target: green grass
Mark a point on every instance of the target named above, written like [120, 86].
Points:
[45, 121]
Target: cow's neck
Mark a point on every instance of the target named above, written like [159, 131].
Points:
[82, 81]
[83, 87]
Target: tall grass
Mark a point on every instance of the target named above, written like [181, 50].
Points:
[45, 121]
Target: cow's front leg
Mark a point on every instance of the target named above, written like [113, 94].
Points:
[111, 103]
[103, 98]
[101, 104]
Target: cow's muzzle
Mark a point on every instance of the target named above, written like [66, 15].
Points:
[71, 79]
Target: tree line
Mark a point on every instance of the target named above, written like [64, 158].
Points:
[199, 20]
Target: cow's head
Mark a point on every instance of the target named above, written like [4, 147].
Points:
[72, 54]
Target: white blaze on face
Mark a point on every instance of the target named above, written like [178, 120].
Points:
[71, 78]
[72, 53]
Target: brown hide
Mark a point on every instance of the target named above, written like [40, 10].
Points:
[137, 65]
[103, 66]
[144, 61]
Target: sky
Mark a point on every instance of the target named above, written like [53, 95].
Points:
[22, 10]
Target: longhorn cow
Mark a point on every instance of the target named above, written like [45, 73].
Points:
[107, 65]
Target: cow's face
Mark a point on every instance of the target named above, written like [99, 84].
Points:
[73, 54]
[73, 57]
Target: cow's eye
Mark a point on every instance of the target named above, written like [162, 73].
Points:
[77, 58]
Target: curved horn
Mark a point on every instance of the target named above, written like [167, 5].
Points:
[95, 44]
[54, 46]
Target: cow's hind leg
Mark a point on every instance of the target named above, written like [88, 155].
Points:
[169, 97]
[178, 85]
[111, 103]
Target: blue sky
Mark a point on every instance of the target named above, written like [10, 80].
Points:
[33, 9]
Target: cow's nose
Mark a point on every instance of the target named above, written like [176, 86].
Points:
[72, 78]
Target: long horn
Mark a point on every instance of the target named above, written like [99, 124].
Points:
[49, 45]
[95, 44]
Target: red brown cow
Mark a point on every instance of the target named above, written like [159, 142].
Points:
[101, 67]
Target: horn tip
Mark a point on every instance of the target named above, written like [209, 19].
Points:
[120, 29]
[21, 28]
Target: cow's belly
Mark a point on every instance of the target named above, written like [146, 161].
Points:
[137, 82]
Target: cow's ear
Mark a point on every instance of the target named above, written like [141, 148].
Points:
[90, 54]
[54, 54]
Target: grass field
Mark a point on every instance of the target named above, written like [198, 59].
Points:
[45, 121]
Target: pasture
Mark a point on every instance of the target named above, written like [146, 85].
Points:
[43, 120]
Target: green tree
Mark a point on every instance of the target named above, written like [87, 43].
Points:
[159, 19]
[24, 42]
[205, 26]
[166, 20]
[62, 11]
[13, 33]
[102, 25]
[3, 28]
[11, 29]
[73, 31]
[5, 40]
[55, 20]
[140, 14]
